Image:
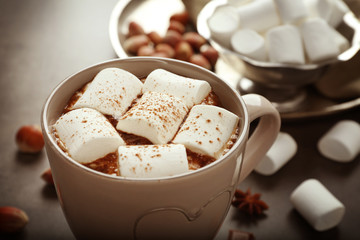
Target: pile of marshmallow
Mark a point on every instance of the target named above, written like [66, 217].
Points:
[158, 115]
[311, 198]
[281, 31]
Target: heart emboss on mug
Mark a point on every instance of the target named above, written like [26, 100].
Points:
[176, 223]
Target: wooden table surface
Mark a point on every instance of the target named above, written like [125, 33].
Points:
[44, 41]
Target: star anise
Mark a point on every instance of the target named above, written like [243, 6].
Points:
[249, 203]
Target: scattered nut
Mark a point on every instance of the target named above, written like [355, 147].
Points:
[47, 177]
[29, 139]
[176, 26]
[182, 17]
[132, 44]
[12, 219]
[135, 29]
[195, 39]
[210, 53]
[200, 60]
[165, 48]
[172, 38]
[183, 51]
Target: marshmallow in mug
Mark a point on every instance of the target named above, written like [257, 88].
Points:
[283, 149]
[285, 45]
[318, 41]
[86, 135]
[249, 43]
[151, 161]
[156, 116]
[342, 142]
[111, 92]
[317, 205]
[207, 129]
[191, 91]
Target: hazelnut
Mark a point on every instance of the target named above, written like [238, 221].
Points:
[165, 48]
[210, 53]
[135, 29]
[182, 17]
[160, 54]
[132, 44]
[146, 50]
[12, 219]
[200, 60]
[176, 26]
[183, 51]
[155, 37]
[47, 177]
[172, 38]
[29, 139]
[194, 39]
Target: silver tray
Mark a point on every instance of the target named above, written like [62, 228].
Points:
[153, 15]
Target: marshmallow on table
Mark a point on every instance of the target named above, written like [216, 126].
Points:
[283, 149]
[191, 91]
[222, 24]
[259, 15]
[284, 44]
[318, 41]
[342, 142]
[149, 161]
[87, 135]
[156, 116]
[317, 205]
[250, 44]
[207, 129]
[291, 11]
[111, 92]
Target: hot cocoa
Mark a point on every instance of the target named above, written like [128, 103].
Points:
[161, 125]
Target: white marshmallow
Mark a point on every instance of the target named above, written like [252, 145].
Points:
[156, 116]
[318, 41]
[284, 44]
[317, 205]
[222, 24]
[150, 161]
[87, 135]
[342, 142]
[207, 129]
[259, 15]
[311, 6]
[250, 44]
[283, 149]
[332, 11]
[111, 92]
[291, 11]
[342, 43]
[191, 91]
[237, 3]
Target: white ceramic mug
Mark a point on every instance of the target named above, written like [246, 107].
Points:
[187, 206]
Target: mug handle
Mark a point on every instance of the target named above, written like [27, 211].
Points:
[265, 133]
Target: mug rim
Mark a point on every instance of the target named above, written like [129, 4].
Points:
[52, 143]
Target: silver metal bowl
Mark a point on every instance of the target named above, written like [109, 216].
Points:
[283, 84]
